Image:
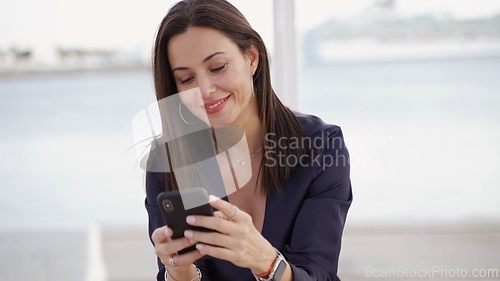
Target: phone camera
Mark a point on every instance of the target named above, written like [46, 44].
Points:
[168, 206]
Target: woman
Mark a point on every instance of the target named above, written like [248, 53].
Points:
[286, 222]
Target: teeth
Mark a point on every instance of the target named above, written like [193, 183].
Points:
[215, 105]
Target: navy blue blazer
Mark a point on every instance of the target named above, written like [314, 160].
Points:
[305, 222]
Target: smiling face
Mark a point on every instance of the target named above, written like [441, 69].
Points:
[205, 58]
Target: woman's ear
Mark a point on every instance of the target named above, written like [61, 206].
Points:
[252, 55]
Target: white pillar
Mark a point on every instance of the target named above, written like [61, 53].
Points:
[284, 80]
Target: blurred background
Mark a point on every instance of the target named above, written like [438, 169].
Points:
[413, 84]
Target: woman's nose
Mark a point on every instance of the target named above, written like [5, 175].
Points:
[207, 87]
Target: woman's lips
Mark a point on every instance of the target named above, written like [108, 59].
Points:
[216, 105]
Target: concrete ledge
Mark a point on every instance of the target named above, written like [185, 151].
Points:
[128, 253]
[370, 250]
[124, 253]
[52, 254]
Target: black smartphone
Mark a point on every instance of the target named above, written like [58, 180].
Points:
[172, 206]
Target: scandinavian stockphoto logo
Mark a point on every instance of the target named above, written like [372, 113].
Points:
[200, 154]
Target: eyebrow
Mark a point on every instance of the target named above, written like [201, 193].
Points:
[204, 60]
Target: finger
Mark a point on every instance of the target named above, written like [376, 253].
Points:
[187, 258]
[211, 222]
[161, 234]
[212, 238]
[218, 214]
[167, 250]
[216, 252]
[176, 245]
[226, 208]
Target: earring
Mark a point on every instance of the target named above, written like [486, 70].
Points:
[180, 114]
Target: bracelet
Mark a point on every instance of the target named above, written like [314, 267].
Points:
[197, 275]
[266, 273]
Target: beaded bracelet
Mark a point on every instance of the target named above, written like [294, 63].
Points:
[197, 275]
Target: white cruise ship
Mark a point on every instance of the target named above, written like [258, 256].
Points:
[380, 34]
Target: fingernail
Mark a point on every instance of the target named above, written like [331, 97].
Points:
[188, 233]
[199, 246]
[212, 198]
[190, 219]
[167, 232]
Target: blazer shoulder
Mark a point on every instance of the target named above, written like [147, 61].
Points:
[313, 125]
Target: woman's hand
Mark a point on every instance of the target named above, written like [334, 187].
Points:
[236, 240]
[166, 249]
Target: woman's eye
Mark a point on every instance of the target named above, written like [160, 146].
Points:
[185, 80]
[219, 68]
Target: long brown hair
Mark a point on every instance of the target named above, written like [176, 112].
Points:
[279, 122]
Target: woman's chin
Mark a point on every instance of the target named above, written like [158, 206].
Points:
[219, 122]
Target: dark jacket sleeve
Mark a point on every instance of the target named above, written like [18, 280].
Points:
[314, 248]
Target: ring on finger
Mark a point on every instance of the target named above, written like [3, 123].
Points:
[235, 214]
[172, 264]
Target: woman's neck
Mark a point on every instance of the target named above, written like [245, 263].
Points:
[253, 133]
[249, 124]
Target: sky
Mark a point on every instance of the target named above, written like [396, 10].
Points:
[43, 25]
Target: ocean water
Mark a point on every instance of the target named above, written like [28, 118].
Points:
[66, 148]
[423, 139]
[423, 136]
